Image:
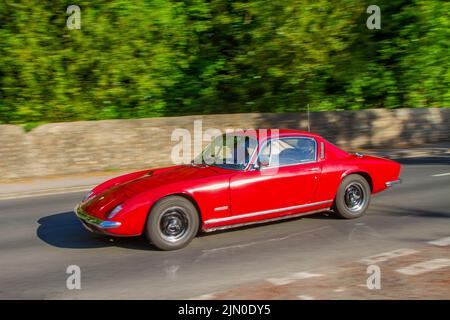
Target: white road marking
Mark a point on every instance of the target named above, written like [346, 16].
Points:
[441, 174]
[208, 296]
[426, 266]
[340, 289]
[441, 242]
[293, 277]
[305, 297]
[387, 256]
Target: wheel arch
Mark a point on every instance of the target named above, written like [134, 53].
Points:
[364, 174]
[188, 197]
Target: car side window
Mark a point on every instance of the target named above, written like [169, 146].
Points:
[289, 151]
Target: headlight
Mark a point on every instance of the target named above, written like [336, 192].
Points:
[87, 196]
[114, 211]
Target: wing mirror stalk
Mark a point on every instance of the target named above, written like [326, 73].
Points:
[262, 162]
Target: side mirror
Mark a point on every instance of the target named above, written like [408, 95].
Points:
[263, 161]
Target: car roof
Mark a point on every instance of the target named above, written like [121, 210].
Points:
[270, 132]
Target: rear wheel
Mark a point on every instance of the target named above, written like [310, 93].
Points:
[173, 222]
[353, 197]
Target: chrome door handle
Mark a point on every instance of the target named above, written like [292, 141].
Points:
[314, 169]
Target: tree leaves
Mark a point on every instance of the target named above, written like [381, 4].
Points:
[161, 57]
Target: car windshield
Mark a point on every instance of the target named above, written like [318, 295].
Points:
[228, 151]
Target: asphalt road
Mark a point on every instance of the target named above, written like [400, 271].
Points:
[40, 237]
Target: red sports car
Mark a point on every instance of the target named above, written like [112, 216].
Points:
[239, 179]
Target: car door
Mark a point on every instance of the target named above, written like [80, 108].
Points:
[289, 180]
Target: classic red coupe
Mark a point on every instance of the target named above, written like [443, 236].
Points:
[239, 179]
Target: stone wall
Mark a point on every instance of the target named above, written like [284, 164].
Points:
[89, 146]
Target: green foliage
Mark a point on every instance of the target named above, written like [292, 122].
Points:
[160, 57]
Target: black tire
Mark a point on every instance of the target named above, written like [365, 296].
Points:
[172, 223]
[352, 197]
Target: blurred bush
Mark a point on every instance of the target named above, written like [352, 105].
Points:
[160, 57]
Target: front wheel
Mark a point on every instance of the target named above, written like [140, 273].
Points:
[173, 222]
[353, 197]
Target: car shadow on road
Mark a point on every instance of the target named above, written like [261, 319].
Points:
[389, 210]
[63, 230]
[323, 215]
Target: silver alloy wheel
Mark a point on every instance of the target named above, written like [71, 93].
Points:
[354, 197]
[173, 224]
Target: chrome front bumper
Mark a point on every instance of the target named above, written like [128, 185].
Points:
[95, 222]
[391, 183]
